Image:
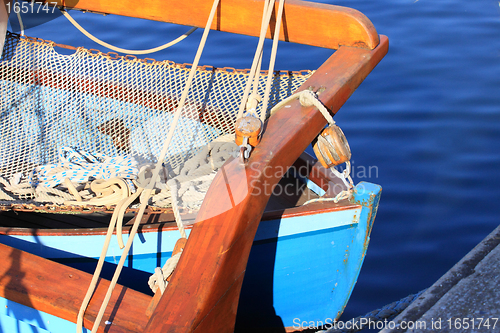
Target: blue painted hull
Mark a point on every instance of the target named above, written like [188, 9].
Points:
[301, 269]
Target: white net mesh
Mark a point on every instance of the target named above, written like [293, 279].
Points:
[109, 105]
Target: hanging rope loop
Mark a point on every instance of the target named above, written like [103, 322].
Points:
[119, 49]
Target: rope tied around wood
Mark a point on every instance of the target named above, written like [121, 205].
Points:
[159, 279]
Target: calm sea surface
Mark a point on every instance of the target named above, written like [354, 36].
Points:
[427, 120]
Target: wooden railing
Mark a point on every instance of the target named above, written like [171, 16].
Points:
[304, 22]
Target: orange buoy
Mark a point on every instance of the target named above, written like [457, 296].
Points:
[331, 147]
[248, 127]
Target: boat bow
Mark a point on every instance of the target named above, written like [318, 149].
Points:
[203, 293]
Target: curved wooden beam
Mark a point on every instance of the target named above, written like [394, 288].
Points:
[304, 22]
[58, 290]
[203, 293]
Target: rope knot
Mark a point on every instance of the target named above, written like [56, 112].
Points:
[307, 98]
[252, 102]
[159, 278]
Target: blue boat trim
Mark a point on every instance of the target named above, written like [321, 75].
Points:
[303, 224]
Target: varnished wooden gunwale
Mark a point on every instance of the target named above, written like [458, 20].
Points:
[59, 290]
[203, 294]
[303, 22]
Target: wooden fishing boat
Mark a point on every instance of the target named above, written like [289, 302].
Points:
[253, 260]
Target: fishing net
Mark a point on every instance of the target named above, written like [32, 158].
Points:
[93, 115]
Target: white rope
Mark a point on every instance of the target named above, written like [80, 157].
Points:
[146, 193]
[346, 179]
[274, 51]
[80, 166]
[306, 98]
[21, 25]
[254, 98]
[193, 179]
[250, 102]
[119, 49]
[5, 196]
[256, 58]
[72, 189]
[17, 187]
[111, 192]
[100, 263]
[50, 194]
[159, 278]
[172, 184]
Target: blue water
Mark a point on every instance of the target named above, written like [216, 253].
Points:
[427, 120]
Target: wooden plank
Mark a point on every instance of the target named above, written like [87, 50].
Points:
[304, 22]
[59, 290]
[203, 294]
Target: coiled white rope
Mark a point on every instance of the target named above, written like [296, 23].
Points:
[191, 182]
[119, 49]
[15, 186]
[80, 167]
